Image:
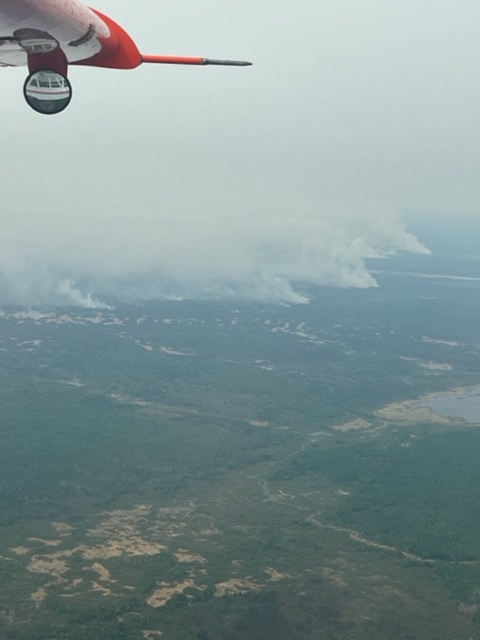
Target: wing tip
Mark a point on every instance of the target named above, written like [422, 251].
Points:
[229, 63]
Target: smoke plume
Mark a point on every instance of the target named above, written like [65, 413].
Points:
[207, 257]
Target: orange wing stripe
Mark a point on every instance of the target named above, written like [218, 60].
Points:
[172, 59]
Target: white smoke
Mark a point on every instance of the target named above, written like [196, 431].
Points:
[72, 296]
[43, 287]
[215, 257]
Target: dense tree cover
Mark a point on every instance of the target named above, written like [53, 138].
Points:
[103, 412]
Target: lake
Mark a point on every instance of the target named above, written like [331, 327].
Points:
[465, 404]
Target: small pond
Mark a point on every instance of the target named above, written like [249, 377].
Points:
[464, 405]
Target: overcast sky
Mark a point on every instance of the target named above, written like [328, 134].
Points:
[243, 180]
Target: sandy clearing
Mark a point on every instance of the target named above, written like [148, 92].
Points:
[161, 596]
[284, 329]
[121, 519]
[47, 543]
[353, 425]
[174, 352]
[75, 583]
[259, 423]
[139, 402]
[56, 566]
[120, 533]
[62, 527]
[133, 614]
[448, 343]
[102, 572]
[405, 411]
[116, 548]
[169, 530]
[48, 565]
[72, 383]
[300, 332]
[276, 576]
[280, 496]
[39, 595]
[151, 635]
[185, 556]
[36, 343]
[20, 551]
[235, 585]
[96, 320]
[117, 535]
[103, 590]
[436, 366]
[26, 315]
[207, 532]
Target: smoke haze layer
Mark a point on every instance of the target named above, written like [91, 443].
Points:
[213, 256]
[242, 183]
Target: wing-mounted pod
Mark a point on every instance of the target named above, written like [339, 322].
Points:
[47, 89]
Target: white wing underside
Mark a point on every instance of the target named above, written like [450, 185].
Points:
[12, 54]
[70, 24]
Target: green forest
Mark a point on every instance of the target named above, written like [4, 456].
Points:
[211, 470]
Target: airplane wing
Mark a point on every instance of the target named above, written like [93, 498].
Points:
[49, 36]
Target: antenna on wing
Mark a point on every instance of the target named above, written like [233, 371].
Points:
[193, 60]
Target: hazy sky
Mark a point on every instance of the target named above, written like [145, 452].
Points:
[241, 181]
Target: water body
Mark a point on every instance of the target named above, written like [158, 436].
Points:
[465, 405]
